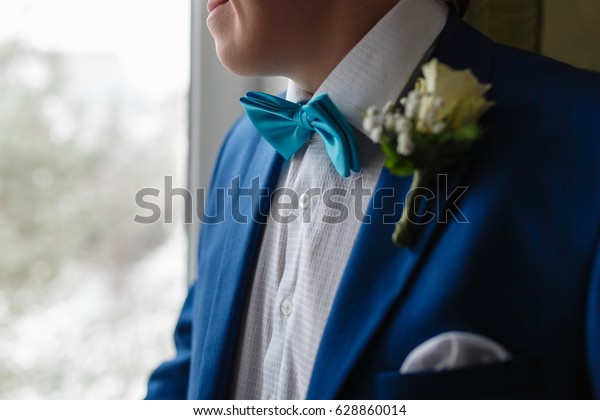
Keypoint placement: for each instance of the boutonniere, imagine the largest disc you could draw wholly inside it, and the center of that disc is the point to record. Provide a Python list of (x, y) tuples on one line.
[(435, 126)]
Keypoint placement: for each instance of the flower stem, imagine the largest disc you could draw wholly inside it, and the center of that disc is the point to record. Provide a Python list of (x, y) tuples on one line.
[(404, 233)]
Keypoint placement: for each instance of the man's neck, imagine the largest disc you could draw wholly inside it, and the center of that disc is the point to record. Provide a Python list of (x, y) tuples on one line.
[(343, 27)]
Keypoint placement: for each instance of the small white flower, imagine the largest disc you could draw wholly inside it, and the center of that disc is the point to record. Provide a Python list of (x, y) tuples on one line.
[(389, 121), (403, 125), (369, 123), (415, 95), (388, 107), (372, 111), (376, 134), (439, 127), (412, 109), (405, 146), (412, 103)]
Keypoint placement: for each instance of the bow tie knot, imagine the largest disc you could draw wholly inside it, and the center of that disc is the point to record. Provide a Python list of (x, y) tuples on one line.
[(287, 126), (301, 118)]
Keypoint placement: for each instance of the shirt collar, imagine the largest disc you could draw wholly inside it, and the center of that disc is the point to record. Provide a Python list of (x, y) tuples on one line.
[(378, 68)]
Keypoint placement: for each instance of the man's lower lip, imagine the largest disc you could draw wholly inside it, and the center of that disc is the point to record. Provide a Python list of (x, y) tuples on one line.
[(212, 5)]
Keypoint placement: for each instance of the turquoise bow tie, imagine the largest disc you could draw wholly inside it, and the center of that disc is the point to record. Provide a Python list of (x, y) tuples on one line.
[(287, 126)]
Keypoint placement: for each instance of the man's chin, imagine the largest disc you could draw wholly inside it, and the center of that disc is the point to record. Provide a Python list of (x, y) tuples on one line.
[(220, 21)]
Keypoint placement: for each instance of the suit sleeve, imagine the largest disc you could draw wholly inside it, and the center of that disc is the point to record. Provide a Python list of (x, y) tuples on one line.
[(170, 380), (593, 326)]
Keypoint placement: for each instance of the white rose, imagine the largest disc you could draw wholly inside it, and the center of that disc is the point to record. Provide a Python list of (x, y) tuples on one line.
[(455, 96)]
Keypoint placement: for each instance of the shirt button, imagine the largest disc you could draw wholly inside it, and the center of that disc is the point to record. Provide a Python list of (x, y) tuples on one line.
[(287, 307), (304, 200)]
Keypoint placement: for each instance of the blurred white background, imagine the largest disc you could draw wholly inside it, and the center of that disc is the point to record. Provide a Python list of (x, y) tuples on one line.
[(93, 107)]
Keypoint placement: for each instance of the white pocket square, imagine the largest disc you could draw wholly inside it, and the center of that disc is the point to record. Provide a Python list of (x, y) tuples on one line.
[(453, 350)]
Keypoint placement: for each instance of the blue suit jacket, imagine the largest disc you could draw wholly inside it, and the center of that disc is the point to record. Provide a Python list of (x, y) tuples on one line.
[(524, 272)]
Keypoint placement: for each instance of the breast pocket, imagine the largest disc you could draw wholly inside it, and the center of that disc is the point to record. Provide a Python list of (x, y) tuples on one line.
[(514, 379)]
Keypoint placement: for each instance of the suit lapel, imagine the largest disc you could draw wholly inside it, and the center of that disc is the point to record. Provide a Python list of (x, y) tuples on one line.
[(240, 246), (378, 272)]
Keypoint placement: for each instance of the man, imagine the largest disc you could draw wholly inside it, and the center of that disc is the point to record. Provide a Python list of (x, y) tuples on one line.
[(323, 304)]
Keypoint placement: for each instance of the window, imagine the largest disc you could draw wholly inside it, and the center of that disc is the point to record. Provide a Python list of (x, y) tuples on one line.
[(93, 108)]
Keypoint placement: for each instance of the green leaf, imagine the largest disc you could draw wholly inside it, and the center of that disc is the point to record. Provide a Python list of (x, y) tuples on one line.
[(397, 164), (469, 132)]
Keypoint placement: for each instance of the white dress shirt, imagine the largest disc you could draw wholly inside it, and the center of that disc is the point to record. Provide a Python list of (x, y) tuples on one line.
[(300, 263)]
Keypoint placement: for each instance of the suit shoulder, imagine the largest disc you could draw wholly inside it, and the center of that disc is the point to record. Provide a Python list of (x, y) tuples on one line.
[(553, 96), (549, 112), (524, 68)]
